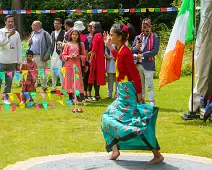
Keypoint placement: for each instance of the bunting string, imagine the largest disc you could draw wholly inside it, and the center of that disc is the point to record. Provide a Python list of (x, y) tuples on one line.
[(92, 11), (33, 95)]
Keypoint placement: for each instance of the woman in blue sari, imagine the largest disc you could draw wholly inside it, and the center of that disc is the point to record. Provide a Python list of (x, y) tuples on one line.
[(128, 123)]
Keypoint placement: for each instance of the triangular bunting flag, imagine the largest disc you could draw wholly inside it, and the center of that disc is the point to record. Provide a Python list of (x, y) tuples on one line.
[(56, 70), (52, 104), (61, 102), (14, 107), (25, 74), (45, 105), (18, 76), (69, 102), (38, 107), (27, 95), (10, 74), (2, 76), (19, 96), (59, 93), (65, 92), (77, 77), (7, 108), (77, 93), (49, 95), (11, 96), (43, 95), (63, 70), (33, 73), (4, 96), (22, 105), (76, 69), (33, 94), (41, 72), (47, 70), (30, 104)]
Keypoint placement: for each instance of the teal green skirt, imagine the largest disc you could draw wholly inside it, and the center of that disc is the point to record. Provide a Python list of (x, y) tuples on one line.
[(128, 123)]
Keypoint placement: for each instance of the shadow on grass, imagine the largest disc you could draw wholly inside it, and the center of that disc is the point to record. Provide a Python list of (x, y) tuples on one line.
[(194, 123), (168, 110), (129, 164)]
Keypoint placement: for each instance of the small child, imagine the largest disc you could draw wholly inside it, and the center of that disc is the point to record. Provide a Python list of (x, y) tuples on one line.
[(28, 85), (111, 72)]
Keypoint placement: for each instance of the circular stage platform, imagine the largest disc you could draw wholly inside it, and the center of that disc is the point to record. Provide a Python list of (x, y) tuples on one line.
[(95, 161)]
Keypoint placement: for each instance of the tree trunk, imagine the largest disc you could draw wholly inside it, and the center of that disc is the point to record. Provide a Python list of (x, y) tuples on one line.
[(18, 20)]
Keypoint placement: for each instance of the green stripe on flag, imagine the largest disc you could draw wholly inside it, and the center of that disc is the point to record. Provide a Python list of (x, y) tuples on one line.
[(188, 5)]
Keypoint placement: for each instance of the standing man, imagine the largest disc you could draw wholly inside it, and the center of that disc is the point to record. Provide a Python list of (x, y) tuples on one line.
[(146, 46), (10, 53), (69, 25), (57, 35), (41, 46)]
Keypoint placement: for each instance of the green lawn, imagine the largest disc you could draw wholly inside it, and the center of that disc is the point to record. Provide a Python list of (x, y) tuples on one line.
[(30, 133)]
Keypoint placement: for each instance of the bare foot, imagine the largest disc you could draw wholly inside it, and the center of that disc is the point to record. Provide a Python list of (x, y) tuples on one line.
[(115, 155), (156, 160)]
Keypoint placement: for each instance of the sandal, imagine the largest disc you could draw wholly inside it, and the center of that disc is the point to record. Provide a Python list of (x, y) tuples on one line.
[(96, 99), (77, 110), (84, 104)]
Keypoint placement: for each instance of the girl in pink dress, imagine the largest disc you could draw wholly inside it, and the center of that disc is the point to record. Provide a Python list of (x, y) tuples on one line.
[(28, 85), (74, 53)]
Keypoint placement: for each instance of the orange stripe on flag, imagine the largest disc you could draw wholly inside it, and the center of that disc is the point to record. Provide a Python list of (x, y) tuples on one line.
[(171, 66)]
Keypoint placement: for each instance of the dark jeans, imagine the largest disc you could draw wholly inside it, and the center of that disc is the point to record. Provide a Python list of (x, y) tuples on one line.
[(8, 80)]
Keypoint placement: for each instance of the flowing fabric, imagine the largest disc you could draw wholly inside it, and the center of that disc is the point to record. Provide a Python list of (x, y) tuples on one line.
[(128, 123)]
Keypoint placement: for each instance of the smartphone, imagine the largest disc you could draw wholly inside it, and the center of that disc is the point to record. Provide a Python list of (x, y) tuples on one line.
[(139, 40), (14, 27)]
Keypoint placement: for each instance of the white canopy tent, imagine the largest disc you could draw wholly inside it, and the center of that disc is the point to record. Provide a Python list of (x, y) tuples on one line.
[(203, 55)]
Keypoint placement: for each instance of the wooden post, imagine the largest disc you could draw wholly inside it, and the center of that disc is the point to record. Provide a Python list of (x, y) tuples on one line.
[(18, 20)]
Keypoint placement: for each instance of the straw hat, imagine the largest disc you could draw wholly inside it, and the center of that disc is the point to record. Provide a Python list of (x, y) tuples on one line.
[(78, 25)]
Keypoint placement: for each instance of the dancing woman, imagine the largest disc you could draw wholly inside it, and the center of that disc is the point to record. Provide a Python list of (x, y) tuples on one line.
[(128, 123)]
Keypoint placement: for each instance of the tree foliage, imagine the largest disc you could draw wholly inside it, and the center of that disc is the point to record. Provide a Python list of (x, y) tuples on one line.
[(106, 19)]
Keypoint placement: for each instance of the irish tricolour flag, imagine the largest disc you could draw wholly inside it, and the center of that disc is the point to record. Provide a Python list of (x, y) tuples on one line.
[(182, 32)]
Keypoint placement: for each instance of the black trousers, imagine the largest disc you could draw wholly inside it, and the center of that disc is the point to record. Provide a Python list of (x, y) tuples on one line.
[(85, 78), (96, 88)]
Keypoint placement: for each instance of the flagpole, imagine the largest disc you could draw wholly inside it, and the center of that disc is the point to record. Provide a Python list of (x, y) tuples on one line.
[(75, 96), (192, 81), (192, 114)]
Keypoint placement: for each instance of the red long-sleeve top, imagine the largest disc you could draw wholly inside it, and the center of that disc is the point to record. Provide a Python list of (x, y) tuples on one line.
[(126, 67)]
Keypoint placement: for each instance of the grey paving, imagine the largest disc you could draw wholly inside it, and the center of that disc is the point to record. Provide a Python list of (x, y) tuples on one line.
[(131, 162)]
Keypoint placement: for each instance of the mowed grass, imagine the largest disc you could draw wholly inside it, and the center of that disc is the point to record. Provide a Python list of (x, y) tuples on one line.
[(30, 133)]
